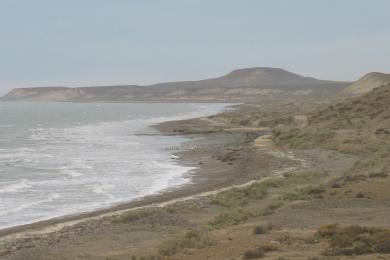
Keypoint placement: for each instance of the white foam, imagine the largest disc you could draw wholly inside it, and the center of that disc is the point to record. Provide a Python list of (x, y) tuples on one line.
[(15, 187), (83, 167), (50, 198), (102, 189), (73, 174)]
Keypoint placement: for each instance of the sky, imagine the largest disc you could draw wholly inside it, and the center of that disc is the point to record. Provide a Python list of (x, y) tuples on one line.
[(102, 42)]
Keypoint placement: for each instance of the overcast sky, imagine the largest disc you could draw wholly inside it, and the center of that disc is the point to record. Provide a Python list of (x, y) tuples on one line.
[(100, 42)]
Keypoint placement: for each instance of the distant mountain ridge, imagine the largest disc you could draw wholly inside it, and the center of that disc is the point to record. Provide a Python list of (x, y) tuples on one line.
[(239, 84), (368, 82)]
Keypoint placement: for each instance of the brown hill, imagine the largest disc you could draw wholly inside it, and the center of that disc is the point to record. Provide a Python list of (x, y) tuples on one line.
[(367, 83), (249, 77), (365, 117), (239, 85), (358, 126), (370, 111)]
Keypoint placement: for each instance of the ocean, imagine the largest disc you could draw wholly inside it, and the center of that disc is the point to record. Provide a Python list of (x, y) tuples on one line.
[(59, 159)]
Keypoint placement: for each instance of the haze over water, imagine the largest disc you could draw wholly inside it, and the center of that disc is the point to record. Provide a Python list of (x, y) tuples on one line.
[(65, 158)]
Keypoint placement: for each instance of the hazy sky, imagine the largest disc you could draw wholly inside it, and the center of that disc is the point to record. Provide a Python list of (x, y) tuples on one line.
[(98, 42)]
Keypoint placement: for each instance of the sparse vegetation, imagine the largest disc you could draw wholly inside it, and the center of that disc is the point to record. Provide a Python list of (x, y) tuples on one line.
[(354, 240), (263, 229), (296, 138), (241, 196), (303, 193), (231, 217), (270, 208), (134, 215), (192, 239), (260, 230), (269, 246), (254, 253), (260, 250)]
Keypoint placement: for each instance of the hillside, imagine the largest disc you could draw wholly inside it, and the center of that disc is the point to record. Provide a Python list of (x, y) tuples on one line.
[(239, 85), (368, 112), (359, 126), (367, 83)]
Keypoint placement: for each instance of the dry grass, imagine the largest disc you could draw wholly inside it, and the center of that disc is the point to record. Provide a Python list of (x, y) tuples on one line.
[(241, 196), (133, 215), (269, 246), (354, 240), (303, 193), (193, 239), (231, 217)]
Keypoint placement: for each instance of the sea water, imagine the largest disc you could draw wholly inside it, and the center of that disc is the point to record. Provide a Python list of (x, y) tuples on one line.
[(58, 159)]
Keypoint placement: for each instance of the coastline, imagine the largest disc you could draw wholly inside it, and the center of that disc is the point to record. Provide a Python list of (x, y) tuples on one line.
[(196, 186), (224, 159), (203, 110)]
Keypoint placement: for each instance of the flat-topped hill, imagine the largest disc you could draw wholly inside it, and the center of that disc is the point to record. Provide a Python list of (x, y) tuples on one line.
[(239, 85)]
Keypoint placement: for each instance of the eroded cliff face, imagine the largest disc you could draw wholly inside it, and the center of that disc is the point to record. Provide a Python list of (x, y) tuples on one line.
[(239, 85)]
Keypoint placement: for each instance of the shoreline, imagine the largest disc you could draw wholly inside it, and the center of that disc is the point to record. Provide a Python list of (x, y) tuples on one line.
[(209, 179), (163, 196), (224, 160), (196, 185), (150, 198)]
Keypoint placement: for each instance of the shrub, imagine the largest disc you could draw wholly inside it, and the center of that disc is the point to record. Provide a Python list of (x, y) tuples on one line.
[(260, 230), (327, 230), (303, 193), (263, 229), (231, 217), (244, 121), (297, 138), (354, 240), (254, 253), (305, 176), (378, 175), (241, 196), (269, 246), (270, 208), (192, 239)]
